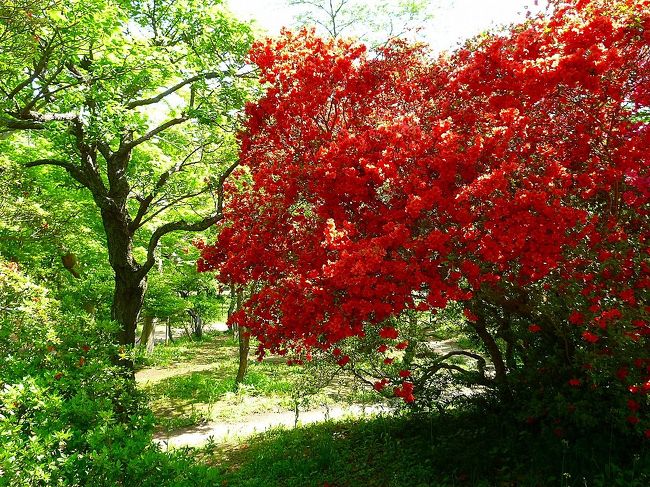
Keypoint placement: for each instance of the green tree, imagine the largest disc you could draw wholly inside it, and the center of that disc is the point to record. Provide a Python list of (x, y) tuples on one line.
[(138, 102), (373, 22)]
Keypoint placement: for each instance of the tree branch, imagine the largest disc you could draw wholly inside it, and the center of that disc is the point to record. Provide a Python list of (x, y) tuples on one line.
[(127, 146), (38, 69), (74, 171), (440, 364), (222, 180), (162, 180), (10, 125), (166, 206), (173, 89), (180, 225)]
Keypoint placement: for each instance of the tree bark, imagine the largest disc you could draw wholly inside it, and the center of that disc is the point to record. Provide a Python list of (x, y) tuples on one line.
[(130, 282), (197, 323), (244, 345), (148, 333), (127, 303), (244, 348), (493, 350)]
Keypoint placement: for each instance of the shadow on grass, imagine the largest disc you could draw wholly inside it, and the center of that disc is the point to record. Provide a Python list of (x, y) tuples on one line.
[(458, 449)]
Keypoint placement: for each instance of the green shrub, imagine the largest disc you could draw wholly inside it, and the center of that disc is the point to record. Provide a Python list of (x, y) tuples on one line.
[(68, 416)]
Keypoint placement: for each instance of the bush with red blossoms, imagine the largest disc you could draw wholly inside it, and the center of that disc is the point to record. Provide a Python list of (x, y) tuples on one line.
[(512, 177)]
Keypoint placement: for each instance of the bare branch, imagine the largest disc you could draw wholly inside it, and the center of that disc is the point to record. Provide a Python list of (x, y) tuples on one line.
[(145, 202), (182, 225), (166, 206), (440, 364), (10, 125)]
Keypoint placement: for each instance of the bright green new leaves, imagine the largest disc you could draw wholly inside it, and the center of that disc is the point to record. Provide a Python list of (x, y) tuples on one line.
[(138, 102)]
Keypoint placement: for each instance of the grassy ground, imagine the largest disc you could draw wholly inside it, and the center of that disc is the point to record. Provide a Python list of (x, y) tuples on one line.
[(191, 382), (459, 449), (477, 445)]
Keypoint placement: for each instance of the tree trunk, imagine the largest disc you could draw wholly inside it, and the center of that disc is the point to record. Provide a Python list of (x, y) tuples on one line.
[(148, 333), (244, 348), (169, 331), (130, 283), (244, 345), (127, 303), (493, 350), (197, 323)]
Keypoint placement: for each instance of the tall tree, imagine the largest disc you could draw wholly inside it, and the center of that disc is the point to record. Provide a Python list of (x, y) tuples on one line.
[(373, 22), (138, 101), (511, 176)]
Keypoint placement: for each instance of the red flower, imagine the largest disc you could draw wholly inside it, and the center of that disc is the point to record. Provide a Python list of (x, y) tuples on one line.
[(404, 373), (632, 405), (382, 348), (389, 361), (470, 316), (575, 382), (402, 345), (85, 348), (388, 332), (576, 318), (622, 373), (632, 419), (590, 337), (534, 328), (58, 375), (343, 360)]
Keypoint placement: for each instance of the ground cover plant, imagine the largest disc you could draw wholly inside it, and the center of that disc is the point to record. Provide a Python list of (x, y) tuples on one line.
[(462, 447), (68, 415)]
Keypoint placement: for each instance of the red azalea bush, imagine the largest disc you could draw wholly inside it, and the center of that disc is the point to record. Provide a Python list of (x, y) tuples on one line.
[(511, 176)]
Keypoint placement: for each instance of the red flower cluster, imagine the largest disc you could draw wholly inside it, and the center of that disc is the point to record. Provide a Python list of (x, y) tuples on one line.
[(405, 391)]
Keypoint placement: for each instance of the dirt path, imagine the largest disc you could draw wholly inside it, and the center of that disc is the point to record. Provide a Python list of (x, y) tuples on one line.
[(257, 423)]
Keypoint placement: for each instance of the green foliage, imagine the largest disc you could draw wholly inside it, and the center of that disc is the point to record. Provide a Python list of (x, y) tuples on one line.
[(125, 113), (68, 416), (194, 382)]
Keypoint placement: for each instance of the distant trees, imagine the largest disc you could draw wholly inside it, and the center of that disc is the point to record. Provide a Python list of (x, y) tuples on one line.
[(373, 23)]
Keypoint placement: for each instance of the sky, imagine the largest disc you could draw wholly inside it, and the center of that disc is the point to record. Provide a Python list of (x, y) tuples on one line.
[(453, 20)]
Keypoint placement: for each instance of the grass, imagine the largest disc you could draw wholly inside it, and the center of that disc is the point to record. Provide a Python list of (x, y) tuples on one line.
[(461, 448), (478, 444), (191, 382)]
